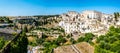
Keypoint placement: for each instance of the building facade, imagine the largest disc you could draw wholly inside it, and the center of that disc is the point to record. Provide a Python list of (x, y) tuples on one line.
[(87, 21)]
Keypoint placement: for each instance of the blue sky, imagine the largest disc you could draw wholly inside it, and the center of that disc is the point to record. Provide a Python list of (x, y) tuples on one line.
[(45, 7)]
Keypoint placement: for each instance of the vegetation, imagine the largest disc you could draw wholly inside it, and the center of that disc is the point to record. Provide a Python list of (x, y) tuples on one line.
[(116, 15), (2, 42), (46, 19), (88, 37), (109, 43), (26, 21), (5, 19), (72, 41), (20, 44), (49, 45), (61, 40)]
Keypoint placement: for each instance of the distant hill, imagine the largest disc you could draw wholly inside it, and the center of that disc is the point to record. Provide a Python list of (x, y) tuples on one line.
[(46, 16)]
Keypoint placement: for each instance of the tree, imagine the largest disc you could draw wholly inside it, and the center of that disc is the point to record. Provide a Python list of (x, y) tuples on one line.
[(19, 45), (112, 39), (46, 44), (44, 36), (25, 29), (2, 42), (112, 29), (116, 15), (115, 46), (100, 38), (109, 43), (100, 50), (68, 36), (60, 39), (72, 40), (88, 37), (40, 40), (81, 39)]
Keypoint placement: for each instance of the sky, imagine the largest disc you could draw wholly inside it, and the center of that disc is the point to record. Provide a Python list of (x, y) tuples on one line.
[(52, 7)]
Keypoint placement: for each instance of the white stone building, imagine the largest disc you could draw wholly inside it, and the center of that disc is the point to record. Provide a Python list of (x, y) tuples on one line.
[(87, 21)]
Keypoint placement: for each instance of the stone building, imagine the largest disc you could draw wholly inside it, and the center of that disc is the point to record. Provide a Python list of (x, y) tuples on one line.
[(87, 21)]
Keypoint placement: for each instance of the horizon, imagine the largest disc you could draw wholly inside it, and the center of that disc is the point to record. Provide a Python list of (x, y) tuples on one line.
[(57, 14), (53, 7)]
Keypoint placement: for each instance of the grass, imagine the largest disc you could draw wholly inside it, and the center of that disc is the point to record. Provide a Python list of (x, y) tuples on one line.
[(31, 39)]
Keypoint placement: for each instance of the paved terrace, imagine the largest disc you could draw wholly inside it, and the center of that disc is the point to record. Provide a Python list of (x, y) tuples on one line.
[(82, 47)]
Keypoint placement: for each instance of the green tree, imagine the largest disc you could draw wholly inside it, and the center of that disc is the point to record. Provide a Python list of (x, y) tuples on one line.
[(40, 40), (25, 29), (109, 43), (68, 36), (61, 39), (112, 29), (2, 42), (81, 39), (72, 41), (19, 45), (88, 37), (116, 15)]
